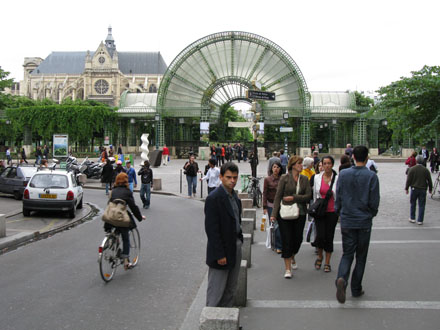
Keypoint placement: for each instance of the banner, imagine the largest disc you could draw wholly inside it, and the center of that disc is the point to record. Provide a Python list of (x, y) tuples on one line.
[(60, 145)]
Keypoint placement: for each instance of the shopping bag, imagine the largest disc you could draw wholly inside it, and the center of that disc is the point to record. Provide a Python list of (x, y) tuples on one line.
[(269, 230), (310, 235)]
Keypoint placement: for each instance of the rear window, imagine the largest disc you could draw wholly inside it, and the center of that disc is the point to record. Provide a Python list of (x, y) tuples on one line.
[(49, 181), (26, 172)]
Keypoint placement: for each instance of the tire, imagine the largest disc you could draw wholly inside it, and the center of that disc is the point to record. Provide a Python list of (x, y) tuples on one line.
[(26, 212), (108, 260), (17, 195), (72, 212), (257, 197), (135, 246), (434, 188), (80, 205)]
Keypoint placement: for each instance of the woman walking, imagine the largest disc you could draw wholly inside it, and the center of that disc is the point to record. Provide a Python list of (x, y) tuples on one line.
[(293, 188), (434, 158), (325, 226), (191, 169), (411, 161), (269, 192)]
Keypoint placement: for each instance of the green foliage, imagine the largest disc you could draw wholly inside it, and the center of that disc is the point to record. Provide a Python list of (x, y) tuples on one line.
[(362, 100), (413, 104), (221, 131), (4, 82)]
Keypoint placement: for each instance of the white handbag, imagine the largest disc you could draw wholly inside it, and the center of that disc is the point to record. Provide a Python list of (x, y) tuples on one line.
[(290, 212)]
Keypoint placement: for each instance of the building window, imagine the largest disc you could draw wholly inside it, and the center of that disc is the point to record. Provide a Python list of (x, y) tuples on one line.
[(152, 89), (101, 59), (101, 86)]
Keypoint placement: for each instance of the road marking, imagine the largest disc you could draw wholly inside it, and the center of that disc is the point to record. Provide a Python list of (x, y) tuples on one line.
[(358, 304), (381, 242), (48, 226)]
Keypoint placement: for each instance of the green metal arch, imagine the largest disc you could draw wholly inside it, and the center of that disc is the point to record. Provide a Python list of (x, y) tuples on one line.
[(219, 61)]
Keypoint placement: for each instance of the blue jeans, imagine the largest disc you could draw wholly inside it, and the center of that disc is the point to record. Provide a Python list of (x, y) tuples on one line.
[(420, 195), (131, 186), (108, 185), (38, 160), (192, 184), (278, 242), (354, 241), (145, 194)]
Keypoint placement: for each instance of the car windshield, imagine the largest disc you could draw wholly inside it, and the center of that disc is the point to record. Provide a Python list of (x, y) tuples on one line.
[(26, 172), (49, 181)]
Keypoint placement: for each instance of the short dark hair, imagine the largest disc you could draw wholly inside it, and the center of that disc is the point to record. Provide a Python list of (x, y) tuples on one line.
[(360, 153), (328, 157), (228, 166), (146, 163), (345, 159), (277, 163), (211, 161), (281, 151)]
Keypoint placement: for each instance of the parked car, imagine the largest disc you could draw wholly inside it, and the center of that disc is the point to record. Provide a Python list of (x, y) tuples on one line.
[(14, 179), (53, 190)]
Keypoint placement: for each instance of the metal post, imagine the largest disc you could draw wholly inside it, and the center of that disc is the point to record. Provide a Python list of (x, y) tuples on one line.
[(201, 186), (181, 181)]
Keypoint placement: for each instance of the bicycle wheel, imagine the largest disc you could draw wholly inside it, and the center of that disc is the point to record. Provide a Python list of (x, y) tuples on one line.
[(259, 200), (135, 246), (108, 258), (434, 189)]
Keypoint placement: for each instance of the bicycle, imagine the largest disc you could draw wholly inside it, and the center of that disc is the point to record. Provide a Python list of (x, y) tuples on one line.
[(254, 191), (436, 186), (109, 257)]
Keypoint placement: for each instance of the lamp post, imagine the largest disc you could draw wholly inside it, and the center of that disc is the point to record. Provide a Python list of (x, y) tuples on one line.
[(157, 119), (286, 118)]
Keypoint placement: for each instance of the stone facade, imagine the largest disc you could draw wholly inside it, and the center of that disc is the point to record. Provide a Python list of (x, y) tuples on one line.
[(102, 75)]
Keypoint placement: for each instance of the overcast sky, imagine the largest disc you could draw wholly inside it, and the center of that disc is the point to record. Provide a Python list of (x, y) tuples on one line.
[(338, 45)]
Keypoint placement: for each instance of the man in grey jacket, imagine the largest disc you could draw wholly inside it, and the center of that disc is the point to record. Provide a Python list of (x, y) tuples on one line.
[(357, 203)]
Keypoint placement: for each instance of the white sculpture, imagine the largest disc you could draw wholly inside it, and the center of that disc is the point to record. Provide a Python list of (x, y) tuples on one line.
[(144, 146)]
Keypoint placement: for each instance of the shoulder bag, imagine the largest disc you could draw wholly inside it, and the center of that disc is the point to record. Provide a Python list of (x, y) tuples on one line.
[(116, 213), (290, 212), (318, 208)]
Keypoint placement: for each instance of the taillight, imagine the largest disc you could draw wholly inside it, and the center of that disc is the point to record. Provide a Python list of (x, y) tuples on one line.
[(69, 195), (26, 194), (100, 249)]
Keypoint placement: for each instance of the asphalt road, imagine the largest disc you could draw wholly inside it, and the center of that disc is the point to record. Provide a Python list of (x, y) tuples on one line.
[(55, 283)]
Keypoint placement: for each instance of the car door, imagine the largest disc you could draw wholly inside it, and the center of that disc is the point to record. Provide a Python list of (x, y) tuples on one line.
[(77, 189), (3, 180), (14, 181)]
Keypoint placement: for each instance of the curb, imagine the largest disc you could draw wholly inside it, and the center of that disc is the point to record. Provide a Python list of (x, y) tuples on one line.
[(36, 236)]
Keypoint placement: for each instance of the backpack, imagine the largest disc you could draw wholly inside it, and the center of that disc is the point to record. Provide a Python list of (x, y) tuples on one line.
[(116, 213)]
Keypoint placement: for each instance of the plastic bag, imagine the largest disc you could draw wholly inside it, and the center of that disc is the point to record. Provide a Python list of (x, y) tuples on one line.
[(268, 235)]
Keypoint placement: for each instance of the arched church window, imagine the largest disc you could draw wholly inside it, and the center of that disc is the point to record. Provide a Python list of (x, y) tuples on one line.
[(101, 86)]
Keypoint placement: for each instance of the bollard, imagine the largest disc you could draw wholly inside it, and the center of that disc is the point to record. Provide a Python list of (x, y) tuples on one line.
[(250, 213), (219, 318), (246, 249), (243, 195), (2, 225), (241, 296), (157, 184), (247, 226), (246, 203)]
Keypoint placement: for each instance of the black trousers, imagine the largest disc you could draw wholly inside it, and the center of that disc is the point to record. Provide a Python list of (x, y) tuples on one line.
[(325, 231), (291, 235)]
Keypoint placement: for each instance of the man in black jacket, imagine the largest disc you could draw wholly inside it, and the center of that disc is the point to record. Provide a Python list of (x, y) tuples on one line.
[(225, 238), (146, 174)]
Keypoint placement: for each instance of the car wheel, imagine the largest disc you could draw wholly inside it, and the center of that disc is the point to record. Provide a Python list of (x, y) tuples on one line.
[(26, 212), (72, 212), (80, 205), (17, 195)]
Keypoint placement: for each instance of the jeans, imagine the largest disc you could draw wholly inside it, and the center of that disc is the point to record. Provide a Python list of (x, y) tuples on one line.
[(192, 184), (38, 160), (420, 195), (131, 186), (145, 194), (211, 189), (108, 186), (354, 241), (278, 241)]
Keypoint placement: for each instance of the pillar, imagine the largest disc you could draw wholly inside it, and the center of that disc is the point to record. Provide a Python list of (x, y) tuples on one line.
[(360, 132), (373, 139), (335, 140), (27, 141), (304, 146)]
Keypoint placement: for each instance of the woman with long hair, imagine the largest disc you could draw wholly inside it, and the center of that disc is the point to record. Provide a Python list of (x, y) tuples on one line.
[(292, 188), (269, 192)]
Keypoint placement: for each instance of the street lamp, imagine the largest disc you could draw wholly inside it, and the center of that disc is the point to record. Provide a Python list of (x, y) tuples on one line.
[(286, 118)]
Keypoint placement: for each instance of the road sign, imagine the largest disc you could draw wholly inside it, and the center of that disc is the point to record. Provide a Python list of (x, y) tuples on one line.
[(286, 129), (259, 95)]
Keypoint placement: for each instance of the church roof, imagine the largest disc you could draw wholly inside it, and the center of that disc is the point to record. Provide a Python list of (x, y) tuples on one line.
[(129, 63)]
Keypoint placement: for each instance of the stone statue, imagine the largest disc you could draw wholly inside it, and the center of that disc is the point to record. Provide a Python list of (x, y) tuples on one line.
[(144, 146)]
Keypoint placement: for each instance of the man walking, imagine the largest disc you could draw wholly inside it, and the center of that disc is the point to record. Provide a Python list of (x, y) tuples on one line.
[(425, 153), (146, 174), (212, 176), (165, 155), (419, 179), (132, 181), (357, 204), (225, 238)]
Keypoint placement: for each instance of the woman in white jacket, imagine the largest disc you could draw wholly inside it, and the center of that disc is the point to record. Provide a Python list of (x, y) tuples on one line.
[(325, 226)]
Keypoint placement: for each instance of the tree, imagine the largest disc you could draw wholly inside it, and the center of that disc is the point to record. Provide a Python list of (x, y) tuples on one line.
[(221, 131), (3, 81), (413, 104)]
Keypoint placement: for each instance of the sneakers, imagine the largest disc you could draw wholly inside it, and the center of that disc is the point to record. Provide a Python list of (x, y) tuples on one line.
[(419, 223), (412, 220), (294, 265), (340, 290), (288, 274)]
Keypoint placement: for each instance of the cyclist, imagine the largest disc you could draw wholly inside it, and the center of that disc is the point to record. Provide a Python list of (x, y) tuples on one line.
[(122, 191)]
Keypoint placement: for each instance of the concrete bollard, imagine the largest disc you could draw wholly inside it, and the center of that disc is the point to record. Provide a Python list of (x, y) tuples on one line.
[(246, 203), (246, 249), (219, 318), (157, 184), (241, 296), (250, 213), (247, 226), (2, 225), (243, 195)]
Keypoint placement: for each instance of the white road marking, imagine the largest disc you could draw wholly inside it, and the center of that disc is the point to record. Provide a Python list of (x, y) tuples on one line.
[(381, 242), (371, 304)]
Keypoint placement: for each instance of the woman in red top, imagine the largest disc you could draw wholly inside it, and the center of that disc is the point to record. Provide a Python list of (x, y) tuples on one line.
[(325, 226), (411, 161)]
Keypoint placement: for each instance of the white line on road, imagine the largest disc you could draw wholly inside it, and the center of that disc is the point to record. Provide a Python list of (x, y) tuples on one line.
[(381, 242), (434, 305)]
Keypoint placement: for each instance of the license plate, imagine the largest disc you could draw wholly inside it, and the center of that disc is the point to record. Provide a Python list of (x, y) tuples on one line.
[(49, 196)]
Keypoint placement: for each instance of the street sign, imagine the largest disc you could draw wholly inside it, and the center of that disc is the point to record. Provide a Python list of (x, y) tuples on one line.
[(259, 95), (286, 129)]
